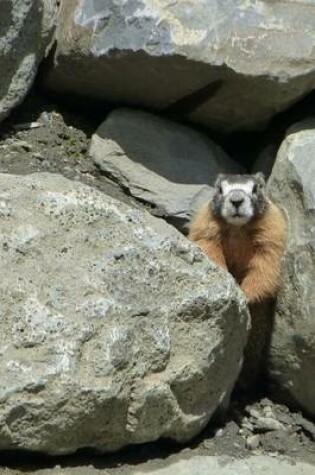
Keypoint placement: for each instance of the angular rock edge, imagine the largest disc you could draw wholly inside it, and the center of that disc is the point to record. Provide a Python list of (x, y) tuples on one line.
[(115, 329)]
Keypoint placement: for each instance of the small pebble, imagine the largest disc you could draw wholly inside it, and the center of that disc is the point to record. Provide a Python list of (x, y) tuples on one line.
[(208, 444), (39, 156), (252, 442), (254, 413), (266, 424), (27, 125), (268, 412), (248, 425), (219, 433)]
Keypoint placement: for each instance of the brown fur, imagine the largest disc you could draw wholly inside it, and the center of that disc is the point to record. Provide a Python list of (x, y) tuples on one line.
[(251, 253)]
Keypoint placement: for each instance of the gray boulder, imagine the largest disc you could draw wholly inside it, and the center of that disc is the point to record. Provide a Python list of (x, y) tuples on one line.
[(26, 30), (292, 356), (114, 329), (162, 163), (228, 64)]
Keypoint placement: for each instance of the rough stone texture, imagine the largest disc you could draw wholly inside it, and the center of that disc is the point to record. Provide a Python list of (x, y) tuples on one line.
[(26, 29), (160, 162), (292, 358), (110, 321), (198, 465), (259, 465), (235, 63)]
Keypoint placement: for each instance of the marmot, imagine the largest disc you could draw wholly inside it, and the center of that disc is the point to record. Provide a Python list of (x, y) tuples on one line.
[(242, 231)]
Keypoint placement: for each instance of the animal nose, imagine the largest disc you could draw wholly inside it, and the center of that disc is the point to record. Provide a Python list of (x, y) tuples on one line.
[(237, 201)]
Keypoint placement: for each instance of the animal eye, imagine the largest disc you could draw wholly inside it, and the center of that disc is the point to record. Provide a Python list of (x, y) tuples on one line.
[(255, 188), (220, 190)]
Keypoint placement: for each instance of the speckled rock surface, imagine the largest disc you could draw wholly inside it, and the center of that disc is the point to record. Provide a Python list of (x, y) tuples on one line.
[(259, 465), (196, 465), (292, 185), (243, 61), (110, 321), (160, 162), (26, 29)]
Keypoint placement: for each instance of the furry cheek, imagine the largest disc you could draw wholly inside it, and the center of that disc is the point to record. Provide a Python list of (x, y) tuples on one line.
[(226, 210), (247, 209)]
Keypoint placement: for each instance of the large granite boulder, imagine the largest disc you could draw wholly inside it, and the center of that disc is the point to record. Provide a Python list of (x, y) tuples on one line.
[(227, 64), (169, 166), (114, 329), (292, 354), (26, 29)]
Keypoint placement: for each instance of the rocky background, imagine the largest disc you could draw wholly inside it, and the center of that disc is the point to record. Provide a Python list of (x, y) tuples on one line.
[(115, 330)]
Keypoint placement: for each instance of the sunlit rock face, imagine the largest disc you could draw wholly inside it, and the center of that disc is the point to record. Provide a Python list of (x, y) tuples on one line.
[(226, 64), (26, 29), (170, 167), (292, 186), (114, 328)]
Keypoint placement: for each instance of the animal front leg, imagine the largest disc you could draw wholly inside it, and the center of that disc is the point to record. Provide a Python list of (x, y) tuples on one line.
[(213, 251), (261, 280)]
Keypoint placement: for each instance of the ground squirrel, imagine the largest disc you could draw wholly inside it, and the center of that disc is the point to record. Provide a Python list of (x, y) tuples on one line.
[(242, 231)]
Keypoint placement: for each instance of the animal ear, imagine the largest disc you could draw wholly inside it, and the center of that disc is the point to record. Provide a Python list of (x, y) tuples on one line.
[(260, 177), (218, 180)]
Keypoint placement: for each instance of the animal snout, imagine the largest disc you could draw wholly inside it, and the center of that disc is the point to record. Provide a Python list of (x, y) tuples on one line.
[(237, 199), (237, 202)]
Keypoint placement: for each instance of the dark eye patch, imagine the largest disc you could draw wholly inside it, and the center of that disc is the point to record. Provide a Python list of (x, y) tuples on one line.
[(255, 188)]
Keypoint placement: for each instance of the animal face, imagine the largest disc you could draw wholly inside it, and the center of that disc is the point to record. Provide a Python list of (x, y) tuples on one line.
[(239, 198)]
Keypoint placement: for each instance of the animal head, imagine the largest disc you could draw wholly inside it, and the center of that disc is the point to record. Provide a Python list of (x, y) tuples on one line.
[(239, 198)]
